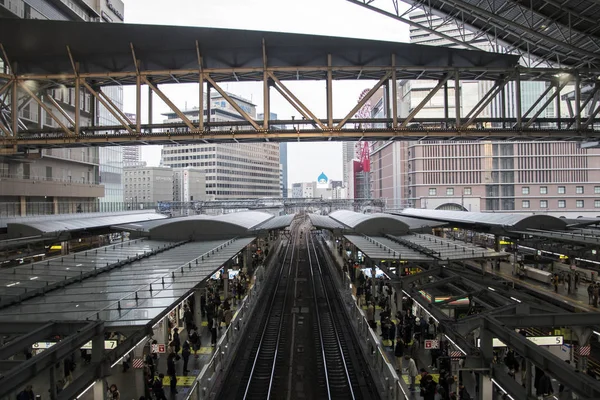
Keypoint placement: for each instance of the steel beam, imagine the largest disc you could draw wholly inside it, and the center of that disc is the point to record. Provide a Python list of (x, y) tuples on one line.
[(59, 108), (329, 92), (394, 83), (17, 377), (489, 96), (46, 108), (266, 99), (549, 100), (232, 103), (426, 100), (362, 102), (438, 283), (15, 106), (581, 384), (7, 365), (169, 103), (295, 102), (518, 104), (106, 104), (405, 281), (537, 101), (577, 101), (549, 320), (591, 117), (457, 98), (23, 341), (118, 109)]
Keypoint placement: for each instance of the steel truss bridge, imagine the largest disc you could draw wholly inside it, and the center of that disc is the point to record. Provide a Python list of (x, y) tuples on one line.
[(30, 80)]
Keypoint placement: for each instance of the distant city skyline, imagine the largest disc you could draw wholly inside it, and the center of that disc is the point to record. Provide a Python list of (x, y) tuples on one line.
[(305, 160)]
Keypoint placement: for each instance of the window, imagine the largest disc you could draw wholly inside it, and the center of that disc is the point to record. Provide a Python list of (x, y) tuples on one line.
[(525, 204), (525, 190), (543, 189), (468, 191), (543, 203), (432, 191), (579, 204), (449, 191), (597, 189), (579, 189), (597, 203), (562, 204), (562, 190)]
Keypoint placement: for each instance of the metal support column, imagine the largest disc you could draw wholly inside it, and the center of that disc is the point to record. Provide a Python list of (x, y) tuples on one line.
[(518, 111), (53, 376), (329, 93), (138, 102), (503, 107), (77, 121), (446, 111), (394, 84), (198, 293), (208, 104), (486, 387), (529, 371), (577, 102), (457, 98), (266, 99), (150, 108), (225, 281), (15, 106)]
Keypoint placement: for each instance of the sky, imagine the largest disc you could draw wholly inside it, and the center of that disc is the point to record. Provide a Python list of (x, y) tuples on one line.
[(322, 17)]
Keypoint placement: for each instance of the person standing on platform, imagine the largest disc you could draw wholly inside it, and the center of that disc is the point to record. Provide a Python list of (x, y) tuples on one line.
[(185, 354), (176, 341), (412, 371), (399, 353), (172, 372)]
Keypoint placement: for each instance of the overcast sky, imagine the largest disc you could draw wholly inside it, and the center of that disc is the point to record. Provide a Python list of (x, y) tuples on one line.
[(322, 17)]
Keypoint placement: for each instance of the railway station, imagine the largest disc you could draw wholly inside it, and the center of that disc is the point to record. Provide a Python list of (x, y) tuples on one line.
[(297, 298)]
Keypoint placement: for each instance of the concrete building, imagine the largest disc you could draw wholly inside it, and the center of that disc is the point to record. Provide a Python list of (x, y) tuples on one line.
[(63, 180), (148, 184), (557, 178), (233, 171), (348, 154), (132, 154), (321, 188), (189, 184), (283, 161)]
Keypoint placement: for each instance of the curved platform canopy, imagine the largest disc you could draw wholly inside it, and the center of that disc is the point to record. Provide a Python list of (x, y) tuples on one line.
[(204, 227), (490, 222), (59, 225), (40, 47)]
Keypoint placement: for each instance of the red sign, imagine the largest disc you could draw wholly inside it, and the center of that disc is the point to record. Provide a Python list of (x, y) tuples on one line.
[(161, 348), (432, 344)]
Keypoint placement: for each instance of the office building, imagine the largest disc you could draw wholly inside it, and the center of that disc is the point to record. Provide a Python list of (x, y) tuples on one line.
[(189, 184), (348, 154), (322, 188), (233, 171), (63, 180), (557, 178), (283, 161), (132, 154), (148, 184)]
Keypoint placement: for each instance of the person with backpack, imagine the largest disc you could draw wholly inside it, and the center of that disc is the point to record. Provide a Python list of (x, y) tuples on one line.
[(195, 341)]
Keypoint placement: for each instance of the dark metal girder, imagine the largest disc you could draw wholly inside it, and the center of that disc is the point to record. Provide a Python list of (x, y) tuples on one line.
[(21, 342), (58, 327), (405, 281), (441, 282), (582, 384), (549, 320), (24, 372)]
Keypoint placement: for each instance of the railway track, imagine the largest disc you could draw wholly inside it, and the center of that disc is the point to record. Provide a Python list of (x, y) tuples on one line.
[(302, 345), (338, 375)]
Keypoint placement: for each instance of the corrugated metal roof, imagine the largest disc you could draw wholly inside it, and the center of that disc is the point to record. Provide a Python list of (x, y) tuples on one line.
[(448, 249), (281, 221), (325, 222), (76, 222), (380, 248), (508, 220), (111, 296), (371, 224)]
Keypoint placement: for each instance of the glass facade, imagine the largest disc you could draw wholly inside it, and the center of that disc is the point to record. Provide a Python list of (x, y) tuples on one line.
[(111, 158)]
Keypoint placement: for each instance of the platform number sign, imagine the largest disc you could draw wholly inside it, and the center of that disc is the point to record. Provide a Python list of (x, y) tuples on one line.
[(432, 344)]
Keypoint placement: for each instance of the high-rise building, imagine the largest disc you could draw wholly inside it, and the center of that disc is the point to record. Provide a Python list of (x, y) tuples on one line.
[(63, 180), (283, 161), (558, 178), (148, 184), (233, 171), (348, 154), (132, 154)]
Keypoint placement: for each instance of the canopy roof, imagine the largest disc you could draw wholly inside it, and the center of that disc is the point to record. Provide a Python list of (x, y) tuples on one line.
[(55, 224), (38, 46), (111, 295), (508, 221)]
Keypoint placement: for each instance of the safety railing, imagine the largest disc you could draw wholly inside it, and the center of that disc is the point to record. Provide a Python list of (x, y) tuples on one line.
[(227, 345), (381, 368)]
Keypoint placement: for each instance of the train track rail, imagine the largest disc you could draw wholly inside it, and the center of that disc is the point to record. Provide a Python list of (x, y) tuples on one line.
[(261, 377), (336, 370)]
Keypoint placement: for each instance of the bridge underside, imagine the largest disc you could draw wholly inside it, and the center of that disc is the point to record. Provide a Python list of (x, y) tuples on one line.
[(34, 77)]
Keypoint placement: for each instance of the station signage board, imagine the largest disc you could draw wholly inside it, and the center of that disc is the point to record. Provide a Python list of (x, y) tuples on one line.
[(539, 340), (108, 345)]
